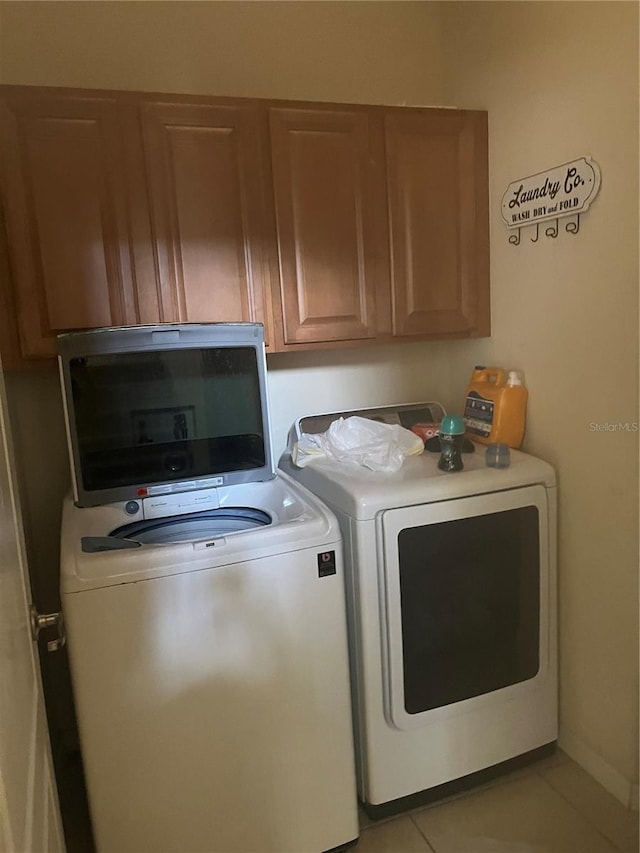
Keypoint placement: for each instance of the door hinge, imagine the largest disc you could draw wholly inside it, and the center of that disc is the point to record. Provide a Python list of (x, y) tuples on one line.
[(40, 621)]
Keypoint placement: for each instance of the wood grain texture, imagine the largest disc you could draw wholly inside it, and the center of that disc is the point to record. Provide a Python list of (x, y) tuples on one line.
[(206, 185), (65, 195), (334, 225), (438, 219), (327, 221)]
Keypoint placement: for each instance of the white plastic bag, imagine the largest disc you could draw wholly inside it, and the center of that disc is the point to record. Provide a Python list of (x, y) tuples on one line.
[(374, 445)]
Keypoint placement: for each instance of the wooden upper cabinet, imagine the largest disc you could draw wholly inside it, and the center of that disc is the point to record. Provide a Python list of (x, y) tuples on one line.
[(206, 174), (65, 198), (438, 219), (328, 184), (333, 225)]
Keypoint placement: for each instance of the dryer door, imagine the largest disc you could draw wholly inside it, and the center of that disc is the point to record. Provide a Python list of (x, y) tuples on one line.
[(466, 603)]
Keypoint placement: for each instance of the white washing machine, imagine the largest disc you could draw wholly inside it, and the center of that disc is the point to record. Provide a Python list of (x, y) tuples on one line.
[(451, 584), (204, 601), (210, 671)]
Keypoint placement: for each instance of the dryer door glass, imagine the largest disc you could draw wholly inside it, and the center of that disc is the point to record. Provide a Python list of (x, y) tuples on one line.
[(470, 600), (463, 600)]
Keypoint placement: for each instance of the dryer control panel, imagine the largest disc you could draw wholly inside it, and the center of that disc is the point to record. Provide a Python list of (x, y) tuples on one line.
[(405, 415)]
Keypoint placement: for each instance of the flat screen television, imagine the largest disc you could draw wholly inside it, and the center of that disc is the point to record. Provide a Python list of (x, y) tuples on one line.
[(158, 409)]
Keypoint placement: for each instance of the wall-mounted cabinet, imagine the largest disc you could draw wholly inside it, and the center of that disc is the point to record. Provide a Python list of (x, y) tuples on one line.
[(328, 185), (206, 175), (333, 225), (65, 190), (438, 221)]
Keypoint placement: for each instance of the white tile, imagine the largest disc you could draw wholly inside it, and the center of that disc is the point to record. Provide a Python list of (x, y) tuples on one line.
[(557, 758), (525, 815), (396, 836), (599, 807)]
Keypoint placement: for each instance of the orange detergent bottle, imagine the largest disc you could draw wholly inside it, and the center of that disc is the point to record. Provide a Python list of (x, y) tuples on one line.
[(495, 406)]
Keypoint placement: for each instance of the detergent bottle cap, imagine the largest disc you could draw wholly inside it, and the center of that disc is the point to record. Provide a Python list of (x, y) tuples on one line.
[(514, 378)]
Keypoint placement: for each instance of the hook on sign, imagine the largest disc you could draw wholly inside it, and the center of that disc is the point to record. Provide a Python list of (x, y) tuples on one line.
[(552, 230), (535, 239), (514, 239), (573, 227)]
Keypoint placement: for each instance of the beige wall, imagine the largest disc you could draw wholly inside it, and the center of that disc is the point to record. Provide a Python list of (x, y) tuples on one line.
[(386, 52), (559, 81)]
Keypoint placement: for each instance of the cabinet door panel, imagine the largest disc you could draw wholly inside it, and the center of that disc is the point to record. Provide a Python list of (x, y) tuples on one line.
[(66, 210), (438, 215), (329, 221), (206, 179)]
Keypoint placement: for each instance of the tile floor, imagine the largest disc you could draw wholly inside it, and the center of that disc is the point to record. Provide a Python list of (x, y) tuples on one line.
[(552, 806)]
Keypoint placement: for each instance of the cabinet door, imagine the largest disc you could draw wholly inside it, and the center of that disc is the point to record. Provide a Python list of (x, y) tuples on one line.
[(329, 198), (65, 197), (205, 165), (438, 215)]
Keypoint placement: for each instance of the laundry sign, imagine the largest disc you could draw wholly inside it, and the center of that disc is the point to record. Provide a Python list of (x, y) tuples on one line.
[(562, 191)]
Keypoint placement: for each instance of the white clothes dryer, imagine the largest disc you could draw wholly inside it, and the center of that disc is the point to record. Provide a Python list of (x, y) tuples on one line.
[(451, 586), (209, 663)]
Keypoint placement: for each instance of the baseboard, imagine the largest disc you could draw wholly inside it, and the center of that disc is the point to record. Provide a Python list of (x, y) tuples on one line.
[(610, 778)]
